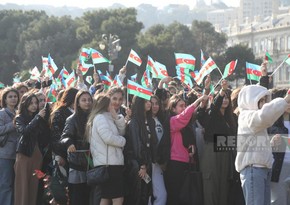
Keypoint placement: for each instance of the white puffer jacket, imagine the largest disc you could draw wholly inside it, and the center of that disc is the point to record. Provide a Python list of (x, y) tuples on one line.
[(107, 132), (253, 141)]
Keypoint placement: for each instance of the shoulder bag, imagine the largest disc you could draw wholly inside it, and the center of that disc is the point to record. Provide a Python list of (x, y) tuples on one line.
[(99, 174)]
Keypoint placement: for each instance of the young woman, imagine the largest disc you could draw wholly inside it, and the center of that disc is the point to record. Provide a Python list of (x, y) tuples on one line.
[(179, 118), (159, 192), (35, 136), (140, 152), (60, 112), (217, 167), (74, 142), (105, 130), (10, 99)]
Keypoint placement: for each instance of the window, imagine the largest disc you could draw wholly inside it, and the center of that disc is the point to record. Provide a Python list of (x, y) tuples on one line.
[(288, 43), (282, 44)]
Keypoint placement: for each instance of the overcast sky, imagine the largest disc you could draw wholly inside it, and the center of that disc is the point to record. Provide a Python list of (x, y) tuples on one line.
[(106, 3)]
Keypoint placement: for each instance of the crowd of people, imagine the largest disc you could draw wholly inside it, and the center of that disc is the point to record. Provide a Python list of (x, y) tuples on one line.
[(147, 145)]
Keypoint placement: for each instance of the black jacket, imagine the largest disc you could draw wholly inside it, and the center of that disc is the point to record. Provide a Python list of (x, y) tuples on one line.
[(57, 126), (137, 153), (72, 135), (213, 121), (32, 130)]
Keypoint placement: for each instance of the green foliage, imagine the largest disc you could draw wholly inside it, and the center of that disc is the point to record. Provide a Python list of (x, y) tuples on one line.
[(26, 36)]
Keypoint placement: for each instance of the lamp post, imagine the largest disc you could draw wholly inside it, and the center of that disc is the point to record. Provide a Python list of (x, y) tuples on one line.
[(112, 43)]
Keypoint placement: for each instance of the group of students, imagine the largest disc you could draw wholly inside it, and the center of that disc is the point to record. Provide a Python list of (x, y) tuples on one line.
[(148, 144)]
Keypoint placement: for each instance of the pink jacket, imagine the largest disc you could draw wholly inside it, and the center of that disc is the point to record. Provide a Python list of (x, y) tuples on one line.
[(177, 122)]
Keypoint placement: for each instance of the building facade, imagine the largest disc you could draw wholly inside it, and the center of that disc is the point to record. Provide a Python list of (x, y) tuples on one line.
[(271, 34)]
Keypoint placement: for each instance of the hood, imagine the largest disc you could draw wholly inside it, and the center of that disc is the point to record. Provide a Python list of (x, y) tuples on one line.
[(250, 95)]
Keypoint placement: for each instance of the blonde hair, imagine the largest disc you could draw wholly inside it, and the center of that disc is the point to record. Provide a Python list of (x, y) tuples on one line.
[(100, 105)]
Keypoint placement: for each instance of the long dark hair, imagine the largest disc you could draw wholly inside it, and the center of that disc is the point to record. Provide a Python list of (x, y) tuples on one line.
[(138, 110), (81, 116), (66, 100), (24, 104), (229, 115), (160, 113), (4, 94)]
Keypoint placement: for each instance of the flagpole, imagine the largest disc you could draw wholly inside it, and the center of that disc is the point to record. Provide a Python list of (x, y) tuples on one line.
[(220, 71), (127, 62), (127, 101), (216, 86), (277, 68)]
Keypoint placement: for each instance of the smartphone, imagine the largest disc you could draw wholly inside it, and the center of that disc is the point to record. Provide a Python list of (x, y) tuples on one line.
[(147, 178)]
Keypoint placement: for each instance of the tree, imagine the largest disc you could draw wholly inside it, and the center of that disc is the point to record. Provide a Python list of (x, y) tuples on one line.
[(161, 42), (243, 53), (210, 41), (13, 24)]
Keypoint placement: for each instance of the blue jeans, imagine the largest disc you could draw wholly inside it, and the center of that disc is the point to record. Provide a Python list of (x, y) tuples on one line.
[(6, 181), (256, 185)]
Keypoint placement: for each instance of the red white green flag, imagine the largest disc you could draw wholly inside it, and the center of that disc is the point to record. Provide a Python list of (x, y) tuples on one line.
[(134, 58), (185, 60), (287, 60), (138, 90), (151, 67), (34, 74), (253, 71), (230, 68), (97, 57), (268, 57), (206, 69), (89, 80)]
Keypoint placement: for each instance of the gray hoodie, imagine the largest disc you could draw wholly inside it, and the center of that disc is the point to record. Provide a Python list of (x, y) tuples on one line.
[(253, 141)]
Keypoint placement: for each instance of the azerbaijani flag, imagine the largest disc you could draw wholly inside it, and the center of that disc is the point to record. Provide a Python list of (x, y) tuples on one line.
[(229, 69), (184, 76), (206, 69), (52, 94), (268, 57), (51, 65), (34, 73), (134, 77), (138, 90), (134, 58), (253, 71), (146, 80), (107, 81), (202, 58), (97, 57), (2, 85), (287, 60), (185, 60), (85, 54), (151, 67), (117, 81), (89, 79), (71, 79), (161, 70)]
